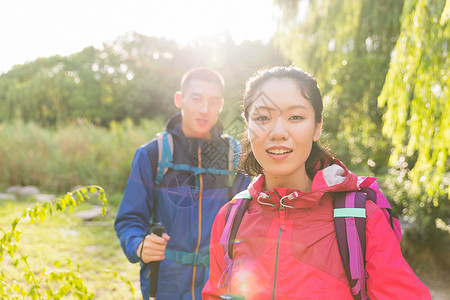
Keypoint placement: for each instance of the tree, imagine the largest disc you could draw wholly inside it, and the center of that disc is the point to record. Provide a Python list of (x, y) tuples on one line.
[(133, 77), (346, 44), (416, 97)]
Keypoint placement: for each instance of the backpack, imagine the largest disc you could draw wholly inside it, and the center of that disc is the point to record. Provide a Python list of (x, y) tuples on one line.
[(350, 223), (165, 161)]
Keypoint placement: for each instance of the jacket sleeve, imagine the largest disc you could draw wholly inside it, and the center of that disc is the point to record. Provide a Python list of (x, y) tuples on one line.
[(217, 261), (389, 275), (134, 212)]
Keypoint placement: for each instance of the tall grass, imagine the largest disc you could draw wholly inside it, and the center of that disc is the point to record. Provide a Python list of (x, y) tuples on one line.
[(56, 160)]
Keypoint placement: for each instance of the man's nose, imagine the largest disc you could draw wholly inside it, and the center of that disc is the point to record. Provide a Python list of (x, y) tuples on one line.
[(204, 108)]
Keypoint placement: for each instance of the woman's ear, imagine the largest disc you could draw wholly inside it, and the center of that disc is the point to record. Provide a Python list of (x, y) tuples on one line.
[(318, 131)]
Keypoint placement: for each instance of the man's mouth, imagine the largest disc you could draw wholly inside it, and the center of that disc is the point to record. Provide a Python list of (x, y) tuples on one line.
[(202, 121)]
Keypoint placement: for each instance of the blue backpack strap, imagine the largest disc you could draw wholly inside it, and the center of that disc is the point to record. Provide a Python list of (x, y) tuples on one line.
[(233, 158), (350, 224), (165, 154)]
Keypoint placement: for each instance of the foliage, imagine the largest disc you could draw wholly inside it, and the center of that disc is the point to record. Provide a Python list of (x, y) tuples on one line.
[(417, 118), (77, 154), (44, 284), (133, 77), (416, 95), (346, 44), (427, 243)]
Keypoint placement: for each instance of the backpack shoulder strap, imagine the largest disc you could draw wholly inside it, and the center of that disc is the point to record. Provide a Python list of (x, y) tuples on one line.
[(233, 153), (233, 157), (165, 154), (350, 224), (369, 186), (236, 210)]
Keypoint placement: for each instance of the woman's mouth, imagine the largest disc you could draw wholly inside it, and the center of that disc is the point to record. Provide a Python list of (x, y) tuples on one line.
[(278, 151)]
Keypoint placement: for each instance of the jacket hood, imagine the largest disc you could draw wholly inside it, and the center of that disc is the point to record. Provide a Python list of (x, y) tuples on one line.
[(334, 178), (173, 126)]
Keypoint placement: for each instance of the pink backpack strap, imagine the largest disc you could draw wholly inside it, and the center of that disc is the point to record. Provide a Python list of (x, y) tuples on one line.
[(229, 222), (370, 187), (350, 223), (235, 214)]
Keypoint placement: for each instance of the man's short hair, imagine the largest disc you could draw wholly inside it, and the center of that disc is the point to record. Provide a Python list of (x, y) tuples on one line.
[(204, 74)]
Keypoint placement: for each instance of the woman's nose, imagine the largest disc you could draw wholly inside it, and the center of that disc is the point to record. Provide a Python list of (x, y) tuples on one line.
[(278, 131)]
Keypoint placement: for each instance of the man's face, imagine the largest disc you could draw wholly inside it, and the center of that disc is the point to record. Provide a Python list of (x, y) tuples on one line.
[(200, 105)]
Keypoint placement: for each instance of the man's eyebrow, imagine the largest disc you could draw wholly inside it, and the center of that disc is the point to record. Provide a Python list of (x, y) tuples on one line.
[(197, 94)]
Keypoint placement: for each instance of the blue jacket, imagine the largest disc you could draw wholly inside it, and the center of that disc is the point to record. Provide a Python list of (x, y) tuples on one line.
[(182, 194)]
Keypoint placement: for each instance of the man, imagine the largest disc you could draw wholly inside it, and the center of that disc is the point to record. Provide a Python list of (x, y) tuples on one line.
[(183, 189)]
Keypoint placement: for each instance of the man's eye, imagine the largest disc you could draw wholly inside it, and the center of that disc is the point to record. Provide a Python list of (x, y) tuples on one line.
[(296, 118)]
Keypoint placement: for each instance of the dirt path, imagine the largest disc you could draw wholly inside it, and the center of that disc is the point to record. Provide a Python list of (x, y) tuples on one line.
[(439, 286)]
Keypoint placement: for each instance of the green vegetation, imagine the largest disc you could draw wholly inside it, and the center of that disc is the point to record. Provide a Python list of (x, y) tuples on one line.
[(57, 160), (49, 255), (417, 119), (133, 77)]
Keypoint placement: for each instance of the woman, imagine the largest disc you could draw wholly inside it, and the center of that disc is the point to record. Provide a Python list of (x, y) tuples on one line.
[(288, 247)]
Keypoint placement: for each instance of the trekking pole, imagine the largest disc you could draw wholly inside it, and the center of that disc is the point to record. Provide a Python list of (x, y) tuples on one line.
[(154, 265)]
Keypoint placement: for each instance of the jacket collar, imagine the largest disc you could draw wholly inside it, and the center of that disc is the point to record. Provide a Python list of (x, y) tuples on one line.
[(334, 178), (173, 126)]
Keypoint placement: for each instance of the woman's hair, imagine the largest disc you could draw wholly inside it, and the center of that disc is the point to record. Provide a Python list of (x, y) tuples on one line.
[(307, 84)]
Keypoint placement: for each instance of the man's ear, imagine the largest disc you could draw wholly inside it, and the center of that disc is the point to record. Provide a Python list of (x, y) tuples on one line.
[(318, 131), (178, 100), (221, 105)]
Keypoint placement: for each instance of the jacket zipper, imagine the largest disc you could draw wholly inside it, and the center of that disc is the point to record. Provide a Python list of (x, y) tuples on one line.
[(276, 265), (200, 196), (282, 227)]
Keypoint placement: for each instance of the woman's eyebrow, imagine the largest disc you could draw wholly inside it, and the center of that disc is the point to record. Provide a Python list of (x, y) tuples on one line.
[(297, 106), (263, 107)]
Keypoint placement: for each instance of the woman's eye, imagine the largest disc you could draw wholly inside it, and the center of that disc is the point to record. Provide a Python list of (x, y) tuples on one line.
[(262, 118)]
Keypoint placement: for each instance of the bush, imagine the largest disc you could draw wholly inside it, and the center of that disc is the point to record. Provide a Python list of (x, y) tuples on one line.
[(45, 284), (57, 160)]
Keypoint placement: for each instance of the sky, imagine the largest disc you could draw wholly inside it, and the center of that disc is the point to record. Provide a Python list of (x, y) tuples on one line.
[(41, 28)]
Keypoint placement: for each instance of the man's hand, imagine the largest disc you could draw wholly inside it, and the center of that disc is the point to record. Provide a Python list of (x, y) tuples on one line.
[(154, 247)]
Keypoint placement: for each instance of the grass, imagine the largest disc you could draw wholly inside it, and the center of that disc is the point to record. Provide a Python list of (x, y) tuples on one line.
[(93, 249), (58, 159)]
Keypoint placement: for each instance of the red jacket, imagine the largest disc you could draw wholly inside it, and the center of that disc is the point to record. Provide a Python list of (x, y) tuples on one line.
[(292, 253)]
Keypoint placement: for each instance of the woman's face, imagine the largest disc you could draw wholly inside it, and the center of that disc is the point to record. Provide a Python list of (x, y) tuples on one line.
[(282, 128)]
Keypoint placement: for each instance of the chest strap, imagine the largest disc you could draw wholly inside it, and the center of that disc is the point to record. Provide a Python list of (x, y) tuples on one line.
[(187, 258)]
